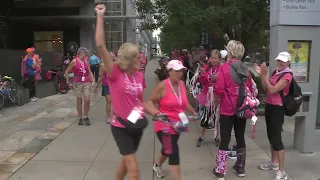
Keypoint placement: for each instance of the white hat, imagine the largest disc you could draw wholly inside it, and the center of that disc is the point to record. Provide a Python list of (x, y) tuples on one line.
[(223, 53), (175, 65), (284, 57)]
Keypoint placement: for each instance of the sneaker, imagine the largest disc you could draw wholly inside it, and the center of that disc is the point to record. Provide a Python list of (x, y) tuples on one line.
[(200, 142), (108, 120), (232, 155), (218, 176), (158, 171), (87, 121), (80, 121), (33, 99), (281, 175), (269, 166)]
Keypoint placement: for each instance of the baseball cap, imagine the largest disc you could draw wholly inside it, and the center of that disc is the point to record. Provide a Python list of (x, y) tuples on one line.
[(284, 57), (223, 53), (175, 65)]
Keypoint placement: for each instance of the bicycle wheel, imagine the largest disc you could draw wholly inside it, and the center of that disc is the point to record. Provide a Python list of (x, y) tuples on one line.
[(1, 101), (61, 85), (16, 93)]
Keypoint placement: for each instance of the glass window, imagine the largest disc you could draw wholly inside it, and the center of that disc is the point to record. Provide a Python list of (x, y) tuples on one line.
[(114, 26), (49, 46), (49, 41), (48, 35), (114, 7), (113, 45), (114, 36)]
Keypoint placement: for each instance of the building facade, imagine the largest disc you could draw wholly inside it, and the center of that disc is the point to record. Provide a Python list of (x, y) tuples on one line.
[(62, 26)]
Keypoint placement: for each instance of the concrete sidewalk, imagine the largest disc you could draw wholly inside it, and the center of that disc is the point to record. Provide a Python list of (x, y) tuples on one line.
[(90, 153)]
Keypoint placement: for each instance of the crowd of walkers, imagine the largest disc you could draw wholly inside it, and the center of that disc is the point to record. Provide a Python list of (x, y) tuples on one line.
[(226, 100)]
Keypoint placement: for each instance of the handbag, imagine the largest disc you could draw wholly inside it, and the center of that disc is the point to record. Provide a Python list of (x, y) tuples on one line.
[(140, 125)]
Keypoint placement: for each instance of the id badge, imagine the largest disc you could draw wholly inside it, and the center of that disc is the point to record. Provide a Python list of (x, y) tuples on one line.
[(254, 120), (134, 115), (83, 78), (183, 118)]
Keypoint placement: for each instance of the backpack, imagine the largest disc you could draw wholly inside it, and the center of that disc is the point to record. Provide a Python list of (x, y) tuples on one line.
[(293, 100), (247, 104)]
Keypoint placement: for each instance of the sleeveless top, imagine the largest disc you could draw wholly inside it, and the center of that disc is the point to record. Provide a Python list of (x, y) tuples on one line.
[(169, 105), (105, 79), (81, 72)]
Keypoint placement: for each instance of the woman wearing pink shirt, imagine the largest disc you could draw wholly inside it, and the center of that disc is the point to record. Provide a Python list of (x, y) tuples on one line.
[(126, 89), (227, 89), (274, 111), (83, 80), (207, 79), (171, 96)]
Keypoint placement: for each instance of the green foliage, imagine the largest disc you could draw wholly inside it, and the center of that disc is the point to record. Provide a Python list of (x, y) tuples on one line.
[(183, 20)]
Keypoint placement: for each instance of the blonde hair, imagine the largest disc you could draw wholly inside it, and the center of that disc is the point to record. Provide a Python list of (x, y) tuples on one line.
[(126, 54), (235, 49), (215, 52)]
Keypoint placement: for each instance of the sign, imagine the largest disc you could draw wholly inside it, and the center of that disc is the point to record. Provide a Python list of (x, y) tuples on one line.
[(72, 46), (204, 38), (300, 59), (294, 12)]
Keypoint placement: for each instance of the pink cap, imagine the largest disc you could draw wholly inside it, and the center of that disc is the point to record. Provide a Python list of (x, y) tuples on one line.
[(175, 65)]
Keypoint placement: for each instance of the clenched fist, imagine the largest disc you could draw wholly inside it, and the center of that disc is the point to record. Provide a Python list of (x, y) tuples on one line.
[(100, 9)]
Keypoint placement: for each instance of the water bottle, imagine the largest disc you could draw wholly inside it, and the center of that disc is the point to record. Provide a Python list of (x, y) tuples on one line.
[(166, 141)]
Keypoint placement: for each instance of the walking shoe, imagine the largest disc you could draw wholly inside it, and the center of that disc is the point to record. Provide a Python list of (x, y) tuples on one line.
[(281, 175), (239, 166), (158, 171), (269, 166), (232, 152), (108, 121), (200, 142), (87, 121), (80, 121), (218, 176)]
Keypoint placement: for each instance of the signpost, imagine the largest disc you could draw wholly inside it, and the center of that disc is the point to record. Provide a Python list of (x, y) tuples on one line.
[(295, 27)]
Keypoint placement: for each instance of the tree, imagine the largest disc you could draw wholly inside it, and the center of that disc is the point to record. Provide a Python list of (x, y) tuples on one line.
[(182, 21)]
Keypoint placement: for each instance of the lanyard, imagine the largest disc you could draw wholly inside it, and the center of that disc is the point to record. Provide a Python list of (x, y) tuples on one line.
[(82, 66), (178, 96), (135, 84)]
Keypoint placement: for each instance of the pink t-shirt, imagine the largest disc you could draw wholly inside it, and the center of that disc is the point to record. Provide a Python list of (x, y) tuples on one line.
[(275, 99), (169, 105), (81, 70), (127, 93)]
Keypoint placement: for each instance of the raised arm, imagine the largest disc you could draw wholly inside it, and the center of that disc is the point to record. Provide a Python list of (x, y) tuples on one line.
[(100, 43)]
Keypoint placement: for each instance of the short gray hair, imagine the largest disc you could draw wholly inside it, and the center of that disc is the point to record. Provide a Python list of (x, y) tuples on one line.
[(235, 49), (82, 49)]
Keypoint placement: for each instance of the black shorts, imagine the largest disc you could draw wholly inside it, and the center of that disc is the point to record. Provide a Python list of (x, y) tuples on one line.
[(128, 143), (174, 158), (105, 90)]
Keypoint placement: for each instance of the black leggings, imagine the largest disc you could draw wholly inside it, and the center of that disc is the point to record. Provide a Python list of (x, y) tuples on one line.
[(95, 71), (226, 124), (274, 121), (174, 158), (31, 86)]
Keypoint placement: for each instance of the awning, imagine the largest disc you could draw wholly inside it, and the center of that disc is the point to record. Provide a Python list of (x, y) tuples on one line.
[(71, 17)]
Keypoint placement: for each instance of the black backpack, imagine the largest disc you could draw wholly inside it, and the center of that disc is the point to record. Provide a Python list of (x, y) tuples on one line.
[(293, 100)]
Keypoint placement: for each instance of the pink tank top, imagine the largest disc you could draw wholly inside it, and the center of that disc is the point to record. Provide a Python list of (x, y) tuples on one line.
[(105, 78), (81, 71), (169, 105)]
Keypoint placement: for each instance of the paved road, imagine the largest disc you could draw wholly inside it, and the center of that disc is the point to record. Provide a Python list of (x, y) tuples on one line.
[(65, 151)]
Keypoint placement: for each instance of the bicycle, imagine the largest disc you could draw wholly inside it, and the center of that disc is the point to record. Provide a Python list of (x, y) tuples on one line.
[(9, 89)]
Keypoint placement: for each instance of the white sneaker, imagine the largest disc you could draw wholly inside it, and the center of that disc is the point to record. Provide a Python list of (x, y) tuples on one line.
[(158, 171), (33, 99), (269, 166), (281, 175)]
